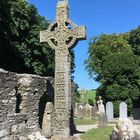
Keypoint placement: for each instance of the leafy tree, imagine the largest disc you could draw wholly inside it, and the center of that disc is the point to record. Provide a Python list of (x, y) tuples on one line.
[(116, 67), (134, 40), (99, 48), (20, 49)]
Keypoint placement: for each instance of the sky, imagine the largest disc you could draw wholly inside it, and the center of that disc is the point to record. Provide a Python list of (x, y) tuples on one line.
[(99, 16)]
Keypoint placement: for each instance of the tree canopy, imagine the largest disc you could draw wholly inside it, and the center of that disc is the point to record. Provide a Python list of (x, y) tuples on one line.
[(113, 62), (20, 49)]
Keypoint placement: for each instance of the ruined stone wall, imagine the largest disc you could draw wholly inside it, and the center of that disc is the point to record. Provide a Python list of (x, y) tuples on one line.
[(23, 98), (125, 130)]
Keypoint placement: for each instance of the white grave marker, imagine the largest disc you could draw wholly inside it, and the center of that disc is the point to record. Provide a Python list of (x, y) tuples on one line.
[(109, 111), (123, 110)]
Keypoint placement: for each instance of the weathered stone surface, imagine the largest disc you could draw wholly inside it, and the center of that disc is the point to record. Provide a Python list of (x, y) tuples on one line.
[(21, 103), (64, 138), (125, 130), (62, 36), (36, 136), (4, 133), (48, 121), (102, 120)]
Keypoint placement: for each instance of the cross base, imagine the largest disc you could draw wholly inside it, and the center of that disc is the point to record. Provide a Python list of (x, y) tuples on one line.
[(57, 137)]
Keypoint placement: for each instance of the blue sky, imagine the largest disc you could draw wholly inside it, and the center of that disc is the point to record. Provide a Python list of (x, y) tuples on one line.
[(99, 16)]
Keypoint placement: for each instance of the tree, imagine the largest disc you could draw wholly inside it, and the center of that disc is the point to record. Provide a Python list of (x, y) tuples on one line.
[(20, 49), (116, 67), (134, 40), (101, 46)]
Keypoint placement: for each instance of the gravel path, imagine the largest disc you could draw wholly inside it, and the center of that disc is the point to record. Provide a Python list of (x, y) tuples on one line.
[(83, 128)]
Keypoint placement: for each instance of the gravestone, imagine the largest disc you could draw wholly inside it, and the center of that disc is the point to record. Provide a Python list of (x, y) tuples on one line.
[(109, 111), (136, 116), (136, 113), (62, 36), (48, 125), (88, 110), (101, 108), (94, 110), (102, 120), (123, 110)]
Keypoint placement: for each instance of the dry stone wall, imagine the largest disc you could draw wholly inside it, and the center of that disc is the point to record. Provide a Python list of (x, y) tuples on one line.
[(23, 98)]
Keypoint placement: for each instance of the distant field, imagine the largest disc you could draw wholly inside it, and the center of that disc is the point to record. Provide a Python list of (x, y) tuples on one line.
[(90, 95)]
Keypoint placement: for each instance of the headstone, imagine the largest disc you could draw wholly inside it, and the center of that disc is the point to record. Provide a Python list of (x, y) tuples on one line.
[(136, 113), (94, 111), (47, 124), (88, 111), (102, 120), (62, 36), (109, 111), (136, 116), (101, 108), (123, 110)]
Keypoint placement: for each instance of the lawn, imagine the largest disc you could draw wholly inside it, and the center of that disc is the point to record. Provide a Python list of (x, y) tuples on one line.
[(90, 95), (85, 121), (97, 134)]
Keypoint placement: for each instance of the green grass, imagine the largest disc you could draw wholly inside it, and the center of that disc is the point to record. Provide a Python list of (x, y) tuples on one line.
[(97, 134), (85, 121), (91, 94)]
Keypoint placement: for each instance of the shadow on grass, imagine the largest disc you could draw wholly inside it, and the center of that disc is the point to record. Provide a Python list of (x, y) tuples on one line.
[(77, 132)]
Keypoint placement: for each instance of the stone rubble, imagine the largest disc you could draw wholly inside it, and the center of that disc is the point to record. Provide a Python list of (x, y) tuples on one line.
[(23, 98), (125, 130)]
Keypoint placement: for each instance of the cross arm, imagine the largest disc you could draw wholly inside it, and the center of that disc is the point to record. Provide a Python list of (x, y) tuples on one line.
[(45, 36), (79, 33)]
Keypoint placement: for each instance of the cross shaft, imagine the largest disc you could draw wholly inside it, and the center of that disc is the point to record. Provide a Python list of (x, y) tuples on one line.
[(62, 36)]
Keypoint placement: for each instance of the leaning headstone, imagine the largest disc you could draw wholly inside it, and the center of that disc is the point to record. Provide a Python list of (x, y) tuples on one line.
[(109, 111), (102, 120), (47, 125), (123, 110), (62, 36)]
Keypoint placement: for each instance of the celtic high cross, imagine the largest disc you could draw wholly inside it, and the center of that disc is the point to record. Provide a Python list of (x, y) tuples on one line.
[(62, 36)]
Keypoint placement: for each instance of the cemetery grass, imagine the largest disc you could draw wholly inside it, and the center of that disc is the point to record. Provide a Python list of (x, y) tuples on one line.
[(91, 95), (97, 134), (85, 121)]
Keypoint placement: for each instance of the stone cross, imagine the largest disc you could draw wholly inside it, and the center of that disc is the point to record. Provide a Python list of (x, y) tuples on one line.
[(62, 36)]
